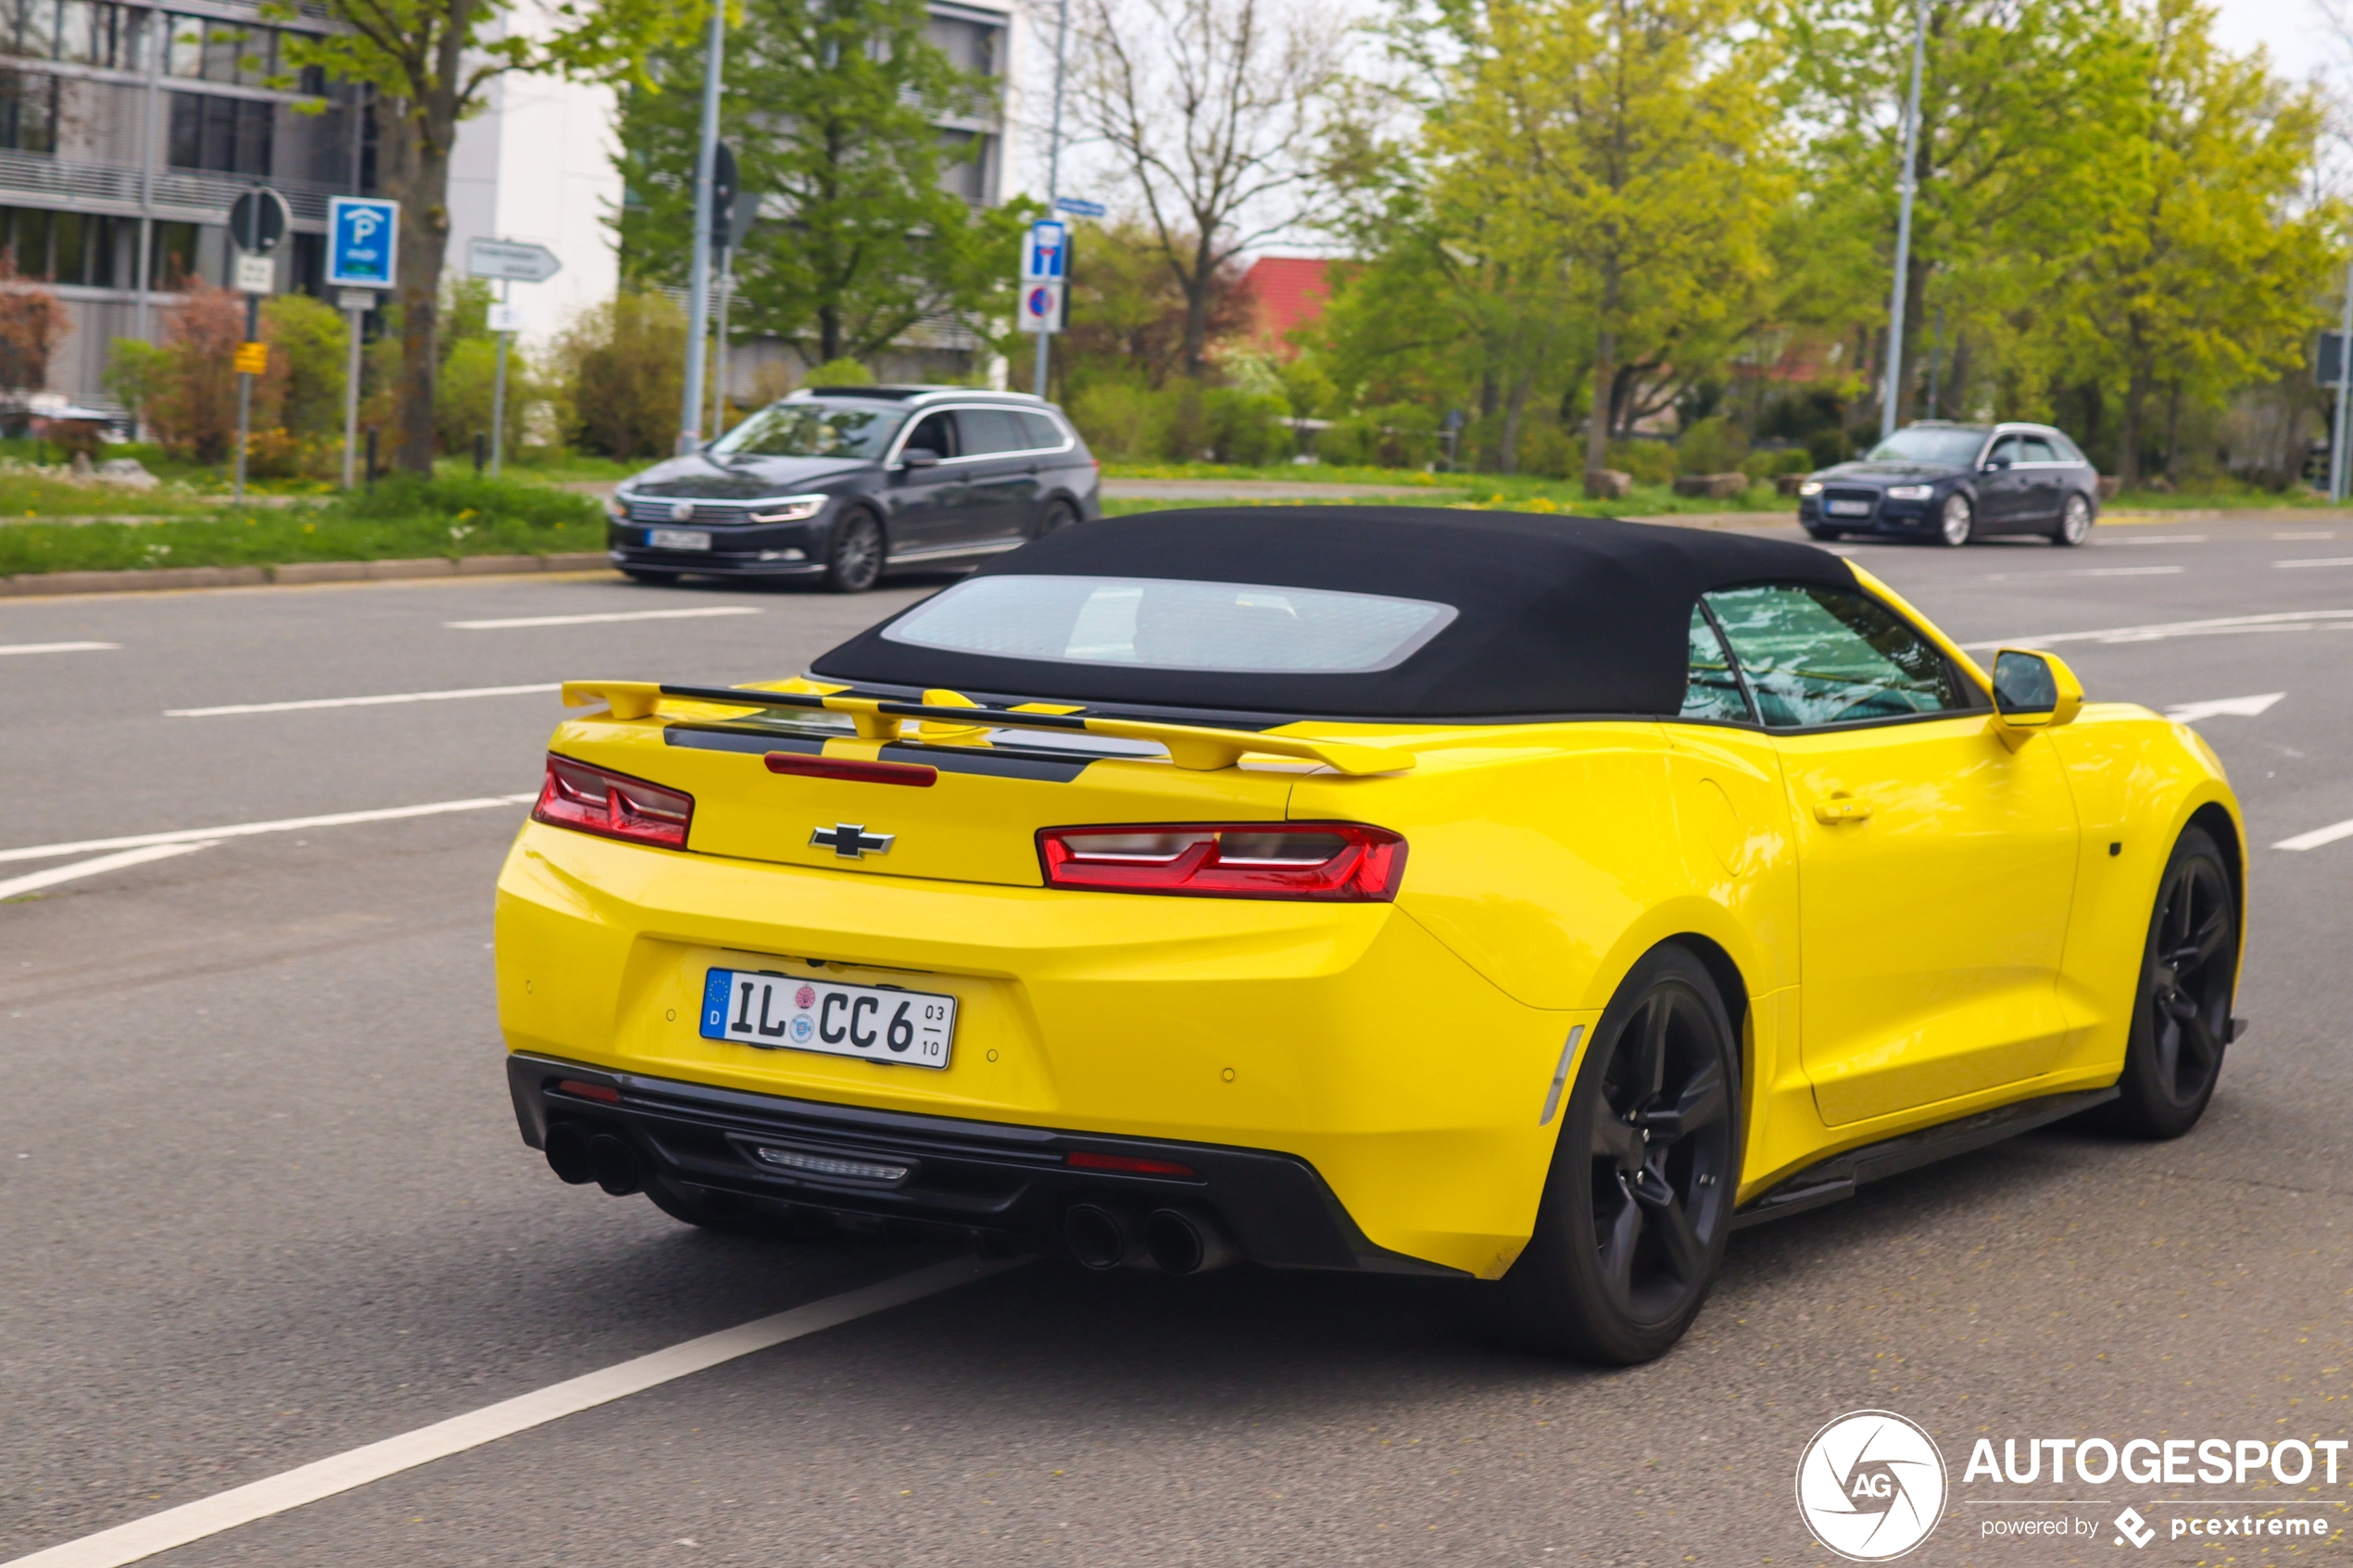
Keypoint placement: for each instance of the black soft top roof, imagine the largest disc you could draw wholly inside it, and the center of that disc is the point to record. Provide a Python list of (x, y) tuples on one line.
[(1558, 615)]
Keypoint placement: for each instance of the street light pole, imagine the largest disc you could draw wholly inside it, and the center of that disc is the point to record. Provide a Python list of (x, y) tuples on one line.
[(698, 281), (1054, 168), (2343, 392), (1904, 189)]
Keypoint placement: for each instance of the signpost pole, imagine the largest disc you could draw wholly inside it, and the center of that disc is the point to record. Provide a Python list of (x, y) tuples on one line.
[(244, 398), (1054, 168), (719, 344), (2337, 467), (498, 393), (1903, 231), (352, 316), (698, 264)]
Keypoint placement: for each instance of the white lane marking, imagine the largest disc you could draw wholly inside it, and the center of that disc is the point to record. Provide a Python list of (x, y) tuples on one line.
[(2317, 838), (2087, 572), (358, 701), (358, 1467), (284, 824), (32, 882), (2228, 707), (2322, 533), (2159, 539), (54, 647), (2281, 621), (2329, 560), (591, 619)]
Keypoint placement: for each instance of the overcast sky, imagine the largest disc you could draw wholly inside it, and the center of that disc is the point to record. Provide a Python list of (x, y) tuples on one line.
[(2292, 30)]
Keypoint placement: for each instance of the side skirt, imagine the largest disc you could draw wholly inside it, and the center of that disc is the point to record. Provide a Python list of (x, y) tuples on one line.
[(1830, 1180)]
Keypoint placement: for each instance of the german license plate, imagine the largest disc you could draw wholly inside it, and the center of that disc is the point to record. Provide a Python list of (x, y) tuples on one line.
[(677, 539), (1850, 508), (782, 1012)]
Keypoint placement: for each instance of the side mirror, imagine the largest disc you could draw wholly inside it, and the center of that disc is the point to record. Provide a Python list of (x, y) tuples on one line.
[(919, 457), (2033, 690), (1995, 465)]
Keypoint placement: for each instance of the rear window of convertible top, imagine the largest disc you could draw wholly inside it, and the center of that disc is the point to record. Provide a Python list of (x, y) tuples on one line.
[(1165, 624)]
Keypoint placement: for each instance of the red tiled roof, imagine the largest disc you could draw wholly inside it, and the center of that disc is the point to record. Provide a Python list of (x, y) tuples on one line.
[(1284, 292)]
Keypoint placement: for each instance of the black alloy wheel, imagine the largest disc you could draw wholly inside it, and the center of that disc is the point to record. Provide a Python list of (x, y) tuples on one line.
[(854, 559), (650, 579), (1824, 536), (1058, 516), (2075, 520), (1639, 1203), (1956, 520), (2182, 1010)]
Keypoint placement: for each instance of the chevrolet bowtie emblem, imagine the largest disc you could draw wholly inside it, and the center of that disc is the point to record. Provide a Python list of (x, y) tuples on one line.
[(851, 841)]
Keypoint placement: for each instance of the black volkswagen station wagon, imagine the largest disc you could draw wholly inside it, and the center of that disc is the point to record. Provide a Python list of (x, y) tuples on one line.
[(846, 483), (1949, 484)]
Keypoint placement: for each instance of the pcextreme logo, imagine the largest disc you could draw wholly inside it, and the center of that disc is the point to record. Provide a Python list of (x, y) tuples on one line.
[(1870, 1485)]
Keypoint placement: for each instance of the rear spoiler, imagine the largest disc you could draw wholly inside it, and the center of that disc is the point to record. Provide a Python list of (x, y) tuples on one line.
[(1192, 747)]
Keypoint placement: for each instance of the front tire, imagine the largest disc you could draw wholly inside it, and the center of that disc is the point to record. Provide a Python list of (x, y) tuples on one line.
[(1824, 536), (2182, 1007), (650, 579), (1058, 516), (854, 559), (1638, 1206), (1956, 520), (2075, 521)]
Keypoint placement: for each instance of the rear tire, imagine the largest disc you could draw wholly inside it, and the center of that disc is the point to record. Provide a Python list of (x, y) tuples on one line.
[(1638, 1205), (1058, 516), (854, 556), (1956, 520), (2075, 521), (2182, 1006)]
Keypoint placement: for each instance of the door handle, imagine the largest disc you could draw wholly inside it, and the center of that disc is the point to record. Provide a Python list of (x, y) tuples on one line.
[(1840, 808)]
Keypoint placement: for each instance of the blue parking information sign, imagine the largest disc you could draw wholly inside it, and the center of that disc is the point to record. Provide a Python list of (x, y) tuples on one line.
[(362, 241)]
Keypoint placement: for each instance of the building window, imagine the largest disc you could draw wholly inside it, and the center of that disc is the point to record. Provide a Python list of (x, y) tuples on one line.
[(970, 45), (963, 165), (65, 247), (237, 55), (28, 113), (226, 135), (89, 33), (173, 256)]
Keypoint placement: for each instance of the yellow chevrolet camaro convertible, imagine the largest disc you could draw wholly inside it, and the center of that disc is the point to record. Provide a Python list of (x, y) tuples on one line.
[(1529, 900)]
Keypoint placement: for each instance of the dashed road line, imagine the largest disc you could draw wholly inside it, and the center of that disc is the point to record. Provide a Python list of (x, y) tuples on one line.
[(2326, 561), (2224, 707), (2317, 838), (2281, 621), (2322, 533), (2088, 571), (228, 708), (2160, 539), (56, 648), (284, 824), (358, 1467), (32, 882), (593, 620)]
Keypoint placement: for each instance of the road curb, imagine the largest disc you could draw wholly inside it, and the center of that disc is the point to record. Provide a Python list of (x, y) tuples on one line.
[(35, 585)]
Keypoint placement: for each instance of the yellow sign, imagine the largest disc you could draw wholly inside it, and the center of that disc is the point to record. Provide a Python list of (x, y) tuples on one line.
[(253, 358)]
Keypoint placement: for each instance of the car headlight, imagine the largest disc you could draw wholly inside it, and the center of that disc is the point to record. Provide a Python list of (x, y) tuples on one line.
[(1809, 486), (1910, 491), (617, 507), (790, 508)]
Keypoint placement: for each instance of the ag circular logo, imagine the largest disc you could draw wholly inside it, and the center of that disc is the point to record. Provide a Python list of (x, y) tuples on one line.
[(1871, 1485)]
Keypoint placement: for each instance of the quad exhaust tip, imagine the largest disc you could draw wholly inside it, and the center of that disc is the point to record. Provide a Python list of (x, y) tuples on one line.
[(1102, 1239), (567, 1151), (614, 1164), (1176, 1241)]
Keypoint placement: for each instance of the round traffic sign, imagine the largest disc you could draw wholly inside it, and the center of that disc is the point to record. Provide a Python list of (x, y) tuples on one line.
[(258, 220)]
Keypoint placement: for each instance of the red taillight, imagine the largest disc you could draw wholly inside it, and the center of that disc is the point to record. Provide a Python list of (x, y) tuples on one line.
[(922, 776), (1129, 1163), (1336, 862), (603, 1092), (615, 805)]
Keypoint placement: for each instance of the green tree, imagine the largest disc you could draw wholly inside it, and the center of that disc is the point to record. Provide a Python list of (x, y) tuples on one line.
[(2208, 272), (309, 335), (431, 62), (832, 107), (1629, 149)]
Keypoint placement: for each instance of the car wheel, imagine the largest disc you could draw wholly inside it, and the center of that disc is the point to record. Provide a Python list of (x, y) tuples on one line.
[(2182, 1008), (2075, 521), (1059, 515), (1639, 1202), (650, 579), (854, 559), (1824, 536), (1955, 521)]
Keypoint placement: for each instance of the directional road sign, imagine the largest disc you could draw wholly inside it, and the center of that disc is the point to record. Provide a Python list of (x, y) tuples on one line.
[(1077, 207), (258, 220), (363, 236), (1045, 258), (517, 259)]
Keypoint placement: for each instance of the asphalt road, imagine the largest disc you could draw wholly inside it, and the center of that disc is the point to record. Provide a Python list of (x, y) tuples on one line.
[(261, 1199)]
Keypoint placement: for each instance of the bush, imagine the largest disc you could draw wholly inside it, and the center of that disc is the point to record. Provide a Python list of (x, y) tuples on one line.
[(187, 390), (1825, 448), (1180, 422), (1116, 419), (1247, 428), (32, 322), (309, 335), (1714, 444), (1545, 448), (463, 396), (623, 365), (1651, 462)]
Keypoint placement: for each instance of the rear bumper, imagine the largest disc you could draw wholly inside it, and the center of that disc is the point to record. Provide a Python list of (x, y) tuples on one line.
[(974, 1176)]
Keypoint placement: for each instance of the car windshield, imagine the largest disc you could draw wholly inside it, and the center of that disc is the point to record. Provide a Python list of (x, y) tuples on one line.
[(1945, 448), (1166, 624), (807, 429)]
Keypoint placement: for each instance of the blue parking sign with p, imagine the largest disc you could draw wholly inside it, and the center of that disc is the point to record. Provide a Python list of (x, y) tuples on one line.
[(362, 241)]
